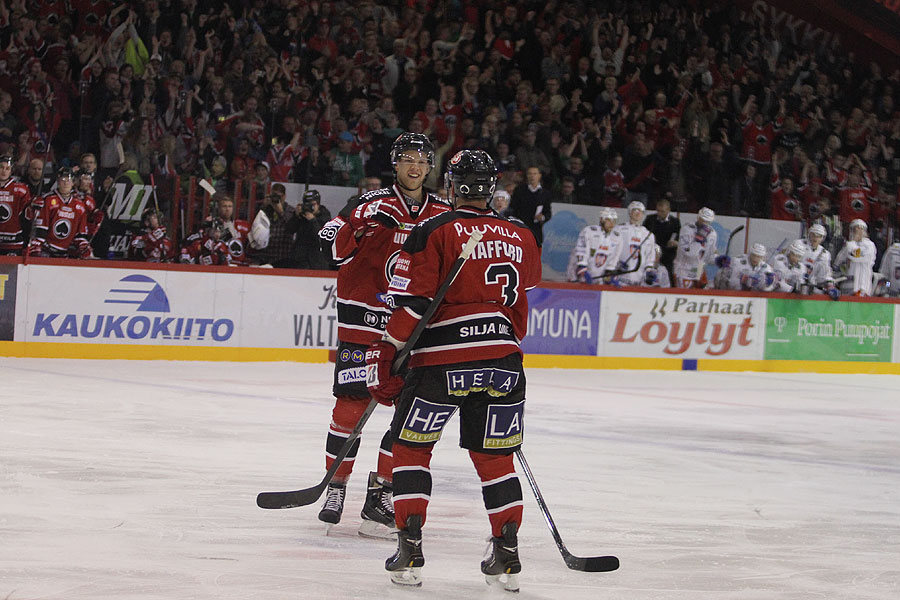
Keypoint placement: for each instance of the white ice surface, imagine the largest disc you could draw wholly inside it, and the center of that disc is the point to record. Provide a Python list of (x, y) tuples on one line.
[(123, 480)]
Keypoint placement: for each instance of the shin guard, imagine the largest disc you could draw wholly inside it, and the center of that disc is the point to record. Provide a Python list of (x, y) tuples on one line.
[(500, 489)]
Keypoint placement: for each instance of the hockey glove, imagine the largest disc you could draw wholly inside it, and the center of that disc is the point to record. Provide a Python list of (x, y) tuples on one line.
[(723, 261), (769, 280), (650, 276), (383, 386), (582, 274), (833, 292)]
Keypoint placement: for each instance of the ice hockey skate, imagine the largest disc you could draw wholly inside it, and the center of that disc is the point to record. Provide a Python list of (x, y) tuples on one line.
[(333, 506), (501, 566), (406, 564), (378, 511)]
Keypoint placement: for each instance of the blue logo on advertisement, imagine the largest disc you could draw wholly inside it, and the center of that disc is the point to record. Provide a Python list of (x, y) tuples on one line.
[(560, 235), (562, 321), (149, 297), (146, 293)]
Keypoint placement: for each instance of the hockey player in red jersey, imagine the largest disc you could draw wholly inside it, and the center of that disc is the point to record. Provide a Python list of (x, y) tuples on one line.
[(15, 210), (60, 222), (365, 240), (208, 249), (467, 359), (85, 191), (152, 245)]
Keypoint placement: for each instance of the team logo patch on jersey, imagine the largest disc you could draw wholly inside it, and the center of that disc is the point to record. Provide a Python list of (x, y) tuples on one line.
[(425, 421), (390, 265), (62, 228), (503, 427), (399, 283), (496, 382), (352, 375), (358, 356), (345, 355), (5, 212)]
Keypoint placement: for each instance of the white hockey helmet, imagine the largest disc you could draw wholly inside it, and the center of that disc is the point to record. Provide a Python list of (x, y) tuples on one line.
[(608, 213), (706, 214), (758, 250), (636, 205), (859, 223), (816, 229), (798, 248)]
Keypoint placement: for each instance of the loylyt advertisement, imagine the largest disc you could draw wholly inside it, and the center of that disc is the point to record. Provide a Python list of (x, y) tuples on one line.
[(562, 321), (681, 326), (821, 330)]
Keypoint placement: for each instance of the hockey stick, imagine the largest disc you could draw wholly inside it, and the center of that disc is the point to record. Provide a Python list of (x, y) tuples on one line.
[(736, 231), (307, 496), (630, 256), (591, 564)]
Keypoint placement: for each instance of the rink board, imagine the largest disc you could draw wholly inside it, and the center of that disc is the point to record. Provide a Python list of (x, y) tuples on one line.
[(109, 310)]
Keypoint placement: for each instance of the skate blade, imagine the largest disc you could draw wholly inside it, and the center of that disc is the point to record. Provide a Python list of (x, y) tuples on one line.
[(328, 527), (377, 531), (506, 581), (410, 577)]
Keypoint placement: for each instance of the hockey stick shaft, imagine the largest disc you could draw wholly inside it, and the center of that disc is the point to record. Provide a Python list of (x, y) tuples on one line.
[(307, 496), (736, 231), (636, 267), (593, 563)]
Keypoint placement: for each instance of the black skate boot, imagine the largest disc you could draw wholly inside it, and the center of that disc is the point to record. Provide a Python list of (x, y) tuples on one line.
[(378, 511), (334, 505), (406, 564), (501, 565)]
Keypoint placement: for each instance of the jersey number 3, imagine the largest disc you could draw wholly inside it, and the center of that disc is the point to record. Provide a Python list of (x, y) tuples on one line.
[(506, 275)]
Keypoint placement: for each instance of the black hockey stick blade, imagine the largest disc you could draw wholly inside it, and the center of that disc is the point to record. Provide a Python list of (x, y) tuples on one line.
[(592, 564), (307, 496)]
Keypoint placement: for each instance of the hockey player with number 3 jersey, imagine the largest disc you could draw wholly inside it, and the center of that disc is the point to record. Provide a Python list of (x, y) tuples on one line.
[(365, 240), (467, 359), (597, 250)]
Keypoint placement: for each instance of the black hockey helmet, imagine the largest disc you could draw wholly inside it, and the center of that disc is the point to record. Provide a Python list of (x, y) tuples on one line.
[(471, 174), (417, 142), (312, 196), (6, 159), (65, 173)]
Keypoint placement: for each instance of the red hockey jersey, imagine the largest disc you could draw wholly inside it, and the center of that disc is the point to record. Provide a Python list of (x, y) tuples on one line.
[(60, 226), (236, 236), (151, 246), (205, 251), (14, 200), (368, 261), (485, 312)]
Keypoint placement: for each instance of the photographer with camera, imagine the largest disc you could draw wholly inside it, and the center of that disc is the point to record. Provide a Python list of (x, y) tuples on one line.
[(274, 244), (310, 217)]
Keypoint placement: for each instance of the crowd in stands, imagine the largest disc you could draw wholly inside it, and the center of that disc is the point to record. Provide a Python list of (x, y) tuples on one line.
[(612, 102)]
